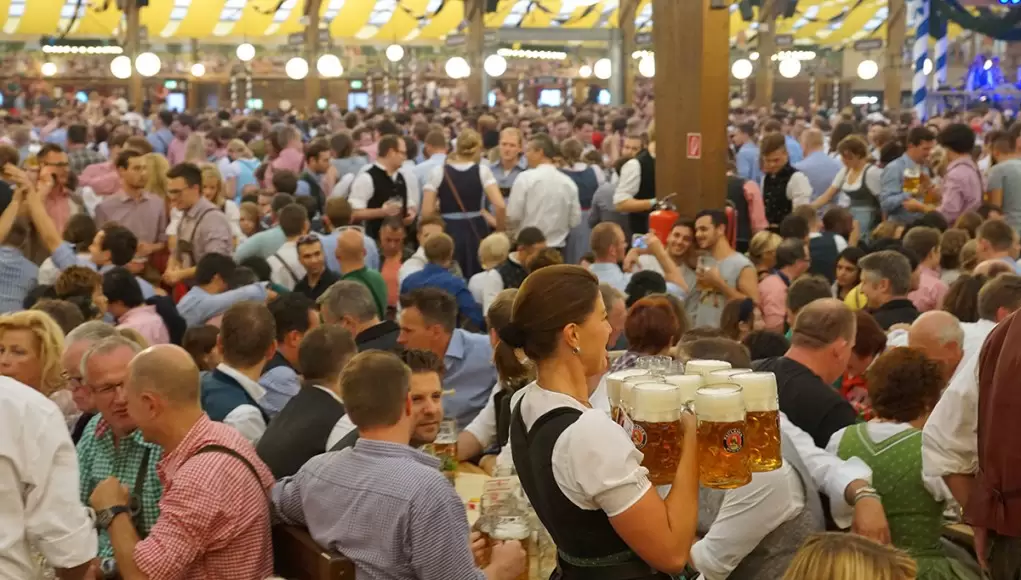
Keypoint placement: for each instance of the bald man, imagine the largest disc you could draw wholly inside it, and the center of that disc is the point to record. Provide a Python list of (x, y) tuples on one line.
[(212, 523), (820, 168), (939, 335), (351, 258)]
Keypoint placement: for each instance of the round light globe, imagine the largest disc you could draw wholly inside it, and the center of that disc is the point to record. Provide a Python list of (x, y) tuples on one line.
[(148, 64), (457, 68), (296, 68), (495, 65), (647, 66), (329, 66), (868, 69), (585, 71), (120, 66), (603, 69), (198, 69), (789, 68), (245, 52), (741, 69), (48, 69), (394, 52)]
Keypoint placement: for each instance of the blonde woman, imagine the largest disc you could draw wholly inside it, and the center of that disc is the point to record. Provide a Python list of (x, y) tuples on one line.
[(762, 252), (493, 251), (31, 344), (459, 190), (195, 149), (243, 164), (588, 178), (839, 556)]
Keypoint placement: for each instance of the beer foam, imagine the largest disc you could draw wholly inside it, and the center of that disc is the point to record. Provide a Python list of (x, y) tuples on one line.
[(758, 390), (722, 377), (614, 380), (628, 384), (719, 404), (511, 529), (656, 402), (704, 367), (688, 384)]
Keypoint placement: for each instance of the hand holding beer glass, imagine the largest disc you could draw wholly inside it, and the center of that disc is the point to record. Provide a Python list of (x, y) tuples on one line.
[(722, 457), (658, 431), (762, 436), (613, 384), (912, 181)]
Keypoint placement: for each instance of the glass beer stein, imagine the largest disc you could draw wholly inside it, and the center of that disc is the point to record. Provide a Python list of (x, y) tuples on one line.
[(688, 385), (626, 387), (445, 448), (704, 367), (762, 406), (722, 377), (613, 383), (657, 432), (912, 180), (722, 457)]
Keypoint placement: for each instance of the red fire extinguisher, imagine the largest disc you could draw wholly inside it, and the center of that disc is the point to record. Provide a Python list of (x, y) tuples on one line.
[(663, 218)]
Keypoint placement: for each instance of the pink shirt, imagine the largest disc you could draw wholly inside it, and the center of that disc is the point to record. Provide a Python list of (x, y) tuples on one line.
[(756, 207), (931, 291), (290, 158), (60, 207), (175, 152), (147, 322), (962, 189), (773, 301), (101, 177)]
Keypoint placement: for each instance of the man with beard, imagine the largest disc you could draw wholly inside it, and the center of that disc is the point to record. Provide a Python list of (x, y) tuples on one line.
[(721, 274)]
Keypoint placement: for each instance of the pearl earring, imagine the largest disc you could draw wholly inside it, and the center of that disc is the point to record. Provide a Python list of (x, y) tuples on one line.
[(576, 350)]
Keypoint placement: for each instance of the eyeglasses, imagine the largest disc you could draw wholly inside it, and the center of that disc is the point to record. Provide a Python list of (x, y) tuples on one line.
[(61, 165), (307, 239), (74, 382), (104, 390)]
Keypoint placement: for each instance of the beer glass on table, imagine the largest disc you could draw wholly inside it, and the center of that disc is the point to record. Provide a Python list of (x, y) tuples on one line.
[(444, 447), (722, 377), (688, 385), (762, 406), (657, 430), (613, 383), (722, 457), (912, 180), (704, 366)]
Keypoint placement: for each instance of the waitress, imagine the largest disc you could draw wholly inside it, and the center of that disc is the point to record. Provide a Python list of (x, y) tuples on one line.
[(580, 471)]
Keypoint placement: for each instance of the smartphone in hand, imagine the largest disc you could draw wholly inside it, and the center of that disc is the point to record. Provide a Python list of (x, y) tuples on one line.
[(638, 242)]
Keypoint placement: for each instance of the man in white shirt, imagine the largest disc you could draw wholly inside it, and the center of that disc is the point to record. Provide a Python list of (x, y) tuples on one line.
[(378, 186), (611, 248), (39, 489), (286, 268), (543, 197)]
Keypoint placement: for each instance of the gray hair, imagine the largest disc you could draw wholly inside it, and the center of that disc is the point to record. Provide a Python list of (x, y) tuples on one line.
[(888, 265), (610, 295), (349, 298), (106, 346), (92, 331)]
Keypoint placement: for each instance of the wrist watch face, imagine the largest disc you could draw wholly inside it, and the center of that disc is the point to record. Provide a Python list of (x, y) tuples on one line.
[(105, 517)]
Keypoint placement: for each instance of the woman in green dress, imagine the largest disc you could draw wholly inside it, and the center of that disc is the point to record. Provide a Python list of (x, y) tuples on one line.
[(904, 386)]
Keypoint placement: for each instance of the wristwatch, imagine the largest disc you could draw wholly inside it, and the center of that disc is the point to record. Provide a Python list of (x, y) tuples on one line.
[(105, 517)]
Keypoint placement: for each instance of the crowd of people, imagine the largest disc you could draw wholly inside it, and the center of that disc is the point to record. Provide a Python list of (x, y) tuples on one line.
[(213, 323)]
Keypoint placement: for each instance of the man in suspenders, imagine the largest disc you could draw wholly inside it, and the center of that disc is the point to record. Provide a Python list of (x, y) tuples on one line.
[(204, 229)]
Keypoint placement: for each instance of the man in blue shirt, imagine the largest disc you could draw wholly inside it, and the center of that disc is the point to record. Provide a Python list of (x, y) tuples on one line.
[(435, 151), (161, 136), (818, 167), (428, 320), (439, 251), (898, 205), (748, 166)]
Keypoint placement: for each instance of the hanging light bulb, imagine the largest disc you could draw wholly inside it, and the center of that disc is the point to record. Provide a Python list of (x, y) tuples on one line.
[(296, 68), (120, 66), (868, 69), (495, 65), (603, 69), (585, 71), (789, 68), (198, 69), (148, 64), (394, 52), (329, 66), (741, 69), (457, 68), (48, 69), (647, 66), (245, 52)]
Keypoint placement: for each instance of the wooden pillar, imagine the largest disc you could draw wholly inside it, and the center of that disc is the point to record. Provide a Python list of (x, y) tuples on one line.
[(767, 47), (626, 13), (692, 51), (313, 85), (896, 26), (474, 13), (131, 49)]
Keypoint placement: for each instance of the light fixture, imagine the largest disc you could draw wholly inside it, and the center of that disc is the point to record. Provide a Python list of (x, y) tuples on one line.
[(120, 66), (68, 49), (245, 52), (296, 68), (753, 56), (647, 67), (533, 54), (198, 69), (457, 68), (329, 66), (868, 69), (794, 55), (148, 64), (48, 69), (741, 69), (789, 68), (603, 69), (585, 71), (394, 52), (495, 65), (927, 67)]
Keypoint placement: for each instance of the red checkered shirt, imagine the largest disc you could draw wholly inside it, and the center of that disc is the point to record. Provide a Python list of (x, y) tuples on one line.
[(214, 516)]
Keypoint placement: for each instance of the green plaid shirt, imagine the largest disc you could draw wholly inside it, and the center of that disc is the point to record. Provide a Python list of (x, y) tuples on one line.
[(99, 458)]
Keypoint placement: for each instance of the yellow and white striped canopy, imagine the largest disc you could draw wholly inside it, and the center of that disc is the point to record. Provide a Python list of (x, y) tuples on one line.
[(826, 22)]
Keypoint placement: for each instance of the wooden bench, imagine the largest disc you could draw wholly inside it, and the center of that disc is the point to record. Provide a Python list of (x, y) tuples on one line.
[(296, 556)]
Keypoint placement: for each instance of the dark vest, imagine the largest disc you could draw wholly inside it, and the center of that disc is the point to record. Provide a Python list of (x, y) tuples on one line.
[(469, 188), (278, 360), (639, 221), (512, 273), (383, 188), (582, 536), (587, 183), (823, 251), (736, 198), (774, 195), (221, 394), (299, 432)]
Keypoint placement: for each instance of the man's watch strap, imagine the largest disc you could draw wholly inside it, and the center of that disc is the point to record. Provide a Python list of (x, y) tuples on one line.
[(105, 517)]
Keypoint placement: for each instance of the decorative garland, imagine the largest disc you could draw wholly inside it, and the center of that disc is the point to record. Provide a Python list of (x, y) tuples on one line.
[(1005, 28)]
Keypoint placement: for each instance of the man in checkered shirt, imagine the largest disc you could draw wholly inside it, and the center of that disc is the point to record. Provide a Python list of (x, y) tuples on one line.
[(214, 519), (382, 503)]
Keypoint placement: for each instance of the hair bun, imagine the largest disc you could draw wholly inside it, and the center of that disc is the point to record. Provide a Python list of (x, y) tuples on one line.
[(512, 335)]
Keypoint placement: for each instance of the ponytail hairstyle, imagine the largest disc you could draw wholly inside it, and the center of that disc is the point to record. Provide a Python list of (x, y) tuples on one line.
[(513, 370)]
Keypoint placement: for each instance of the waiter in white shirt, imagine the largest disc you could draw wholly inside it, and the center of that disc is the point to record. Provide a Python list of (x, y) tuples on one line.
[(636, 189), (542, 196), (382, 190), (39, 489)]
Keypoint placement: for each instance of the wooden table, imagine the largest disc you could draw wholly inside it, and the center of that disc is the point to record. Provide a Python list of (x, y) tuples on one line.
[(296, 556)]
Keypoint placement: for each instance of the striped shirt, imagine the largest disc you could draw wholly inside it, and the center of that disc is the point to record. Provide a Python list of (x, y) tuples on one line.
[(386, 507), (18, 274)]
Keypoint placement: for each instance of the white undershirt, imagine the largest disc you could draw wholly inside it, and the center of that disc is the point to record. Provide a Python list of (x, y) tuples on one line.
[(248, 420)]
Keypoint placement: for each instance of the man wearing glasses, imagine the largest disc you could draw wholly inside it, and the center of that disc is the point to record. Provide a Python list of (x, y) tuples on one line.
[(382, 190), (112, 445), (54, 171), (76, 343), (204, 228)]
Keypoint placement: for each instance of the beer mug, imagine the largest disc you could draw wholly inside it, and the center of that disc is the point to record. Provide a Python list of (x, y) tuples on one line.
[(628, 384), (657, 428), (762, 406), (613, 382), (722, 457), (655, 364), (688, 385), (912, 180), (515, 528), (704, 367), (445, 447), (722, 377)]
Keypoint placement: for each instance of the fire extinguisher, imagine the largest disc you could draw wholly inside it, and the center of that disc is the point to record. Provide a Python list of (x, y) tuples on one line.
[(663, 218)]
